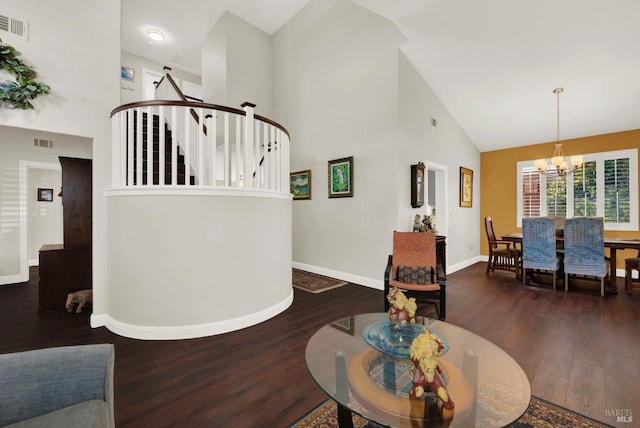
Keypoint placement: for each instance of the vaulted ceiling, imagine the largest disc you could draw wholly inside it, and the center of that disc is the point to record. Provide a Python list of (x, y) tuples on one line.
[(494, 63)]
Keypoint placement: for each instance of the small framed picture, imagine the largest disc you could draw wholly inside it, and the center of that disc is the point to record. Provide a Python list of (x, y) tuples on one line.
[(466, 187), (341, 178), (300, 183), (127, 73), (45, 195)]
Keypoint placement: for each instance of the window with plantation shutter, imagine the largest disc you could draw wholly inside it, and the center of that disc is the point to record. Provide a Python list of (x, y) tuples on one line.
[(606, 186), (530, 193), (556, 195), (616, 191), (585, 190)]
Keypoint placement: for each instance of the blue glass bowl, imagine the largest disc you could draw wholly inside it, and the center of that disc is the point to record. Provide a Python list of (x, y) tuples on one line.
[(394, 338)]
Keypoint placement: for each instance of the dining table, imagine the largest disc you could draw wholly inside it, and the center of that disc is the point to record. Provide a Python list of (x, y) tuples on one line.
[(613, 244)]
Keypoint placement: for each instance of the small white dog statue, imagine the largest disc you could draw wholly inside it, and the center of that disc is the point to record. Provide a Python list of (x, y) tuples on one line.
[(81, 297)]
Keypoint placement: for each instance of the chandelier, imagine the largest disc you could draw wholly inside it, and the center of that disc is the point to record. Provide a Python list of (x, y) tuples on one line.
[(559, 164)]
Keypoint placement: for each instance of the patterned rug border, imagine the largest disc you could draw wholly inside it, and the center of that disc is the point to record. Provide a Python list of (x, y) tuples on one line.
[(528, 420), (328, 282)]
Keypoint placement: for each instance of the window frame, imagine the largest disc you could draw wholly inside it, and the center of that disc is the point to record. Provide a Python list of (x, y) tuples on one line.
[(599, 158)]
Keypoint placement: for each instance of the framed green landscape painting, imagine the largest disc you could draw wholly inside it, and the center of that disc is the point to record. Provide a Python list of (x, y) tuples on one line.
[(300, 183), (341, 178)]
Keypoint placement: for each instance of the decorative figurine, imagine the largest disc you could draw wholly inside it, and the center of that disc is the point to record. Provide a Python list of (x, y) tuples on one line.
[(417, 225), (402, 309), (424, 354)]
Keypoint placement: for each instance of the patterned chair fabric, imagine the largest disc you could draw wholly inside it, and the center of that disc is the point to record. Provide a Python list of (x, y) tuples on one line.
[(539, 246), (416, 250), (502, 256), (584, 249)]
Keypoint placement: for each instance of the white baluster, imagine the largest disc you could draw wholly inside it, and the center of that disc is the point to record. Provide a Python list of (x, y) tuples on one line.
[(187, 147), (272, 156), (238, 120), (139, 126), (256, 157), (174, 146), (201, 146), (116, 139), (161, 146), (213, 125), (130, 136), (248, 142), (149, 154), (227, 152)]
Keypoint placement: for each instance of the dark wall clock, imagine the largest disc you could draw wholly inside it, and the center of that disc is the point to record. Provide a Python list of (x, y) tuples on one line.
[(417, 185)]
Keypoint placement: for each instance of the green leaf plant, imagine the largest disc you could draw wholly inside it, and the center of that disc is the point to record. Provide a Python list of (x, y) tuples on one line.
[(18, 93)]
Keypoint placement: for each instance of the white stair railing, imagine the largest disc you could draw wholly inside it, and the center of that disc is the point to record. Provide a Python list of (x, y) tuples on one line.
[(219, 146)]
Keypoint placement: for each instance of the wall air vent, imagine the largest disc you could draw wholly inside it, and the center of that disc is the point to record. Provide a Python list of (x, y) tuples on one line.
[(13, 26), (38, 142)]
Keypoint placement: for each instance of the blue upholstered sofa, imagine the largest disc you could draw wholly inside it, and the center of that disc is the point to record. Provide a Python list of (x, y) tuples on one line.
[(69, 386)]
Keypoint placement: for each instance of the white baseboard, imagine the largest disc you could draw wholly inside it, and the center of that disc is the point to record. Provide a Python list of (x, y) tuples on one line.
[(13, 279), (189, 331)]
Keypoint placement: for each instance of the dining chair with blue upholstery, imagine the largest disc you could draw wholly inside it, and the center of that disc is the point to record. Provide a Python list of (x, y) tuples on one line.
[(539, 246), (584, 249)]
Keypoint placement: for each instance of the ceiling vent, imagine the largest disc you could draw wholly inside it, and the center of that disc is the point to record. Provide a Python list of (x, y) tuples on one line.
[(38, 142), (13, 26)]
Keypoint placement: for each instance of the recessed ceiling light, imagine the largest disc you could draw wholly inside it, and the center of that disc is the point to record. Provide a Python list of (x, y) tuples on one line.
[(155, 35)]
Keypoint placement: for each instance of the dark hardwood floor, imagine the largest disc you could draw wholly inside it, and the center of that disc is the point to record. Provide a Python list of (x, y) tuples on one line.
[(579, 351)]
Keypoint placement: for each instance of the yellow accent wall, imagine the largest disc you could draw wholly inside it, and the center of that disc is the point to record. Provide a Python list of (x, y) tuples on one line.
[(498, 193)]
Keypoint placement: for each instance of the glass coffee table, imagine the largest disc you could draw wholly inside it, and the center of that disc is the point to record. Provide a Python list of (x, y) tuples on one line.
[(488, 387)]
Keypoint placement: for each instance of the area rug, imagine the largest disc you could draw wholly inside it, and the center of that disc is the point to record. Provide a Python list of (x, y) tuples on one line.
[(541, 414), (314, 283)]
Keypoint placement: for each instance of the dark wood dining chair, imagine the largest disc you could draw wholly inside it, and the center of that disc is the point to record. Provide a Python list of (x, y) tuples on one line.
[(630, 265), (502, 256)]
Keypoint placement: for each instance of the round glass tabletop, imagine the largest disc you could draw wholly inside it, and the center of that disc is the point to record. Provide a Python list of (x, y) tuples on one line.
[(488, 387)]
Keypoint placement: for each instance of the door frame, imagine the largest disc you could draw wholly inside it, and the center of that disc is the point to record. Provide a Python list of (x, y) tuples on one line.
[(23, 167)]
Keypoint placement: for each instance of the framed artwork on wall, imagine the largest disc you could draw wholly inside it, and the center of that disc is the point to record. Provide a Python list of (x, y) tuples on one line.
[(466, 187), (45, 195), (341, 178), (127, 73), (300, 184)]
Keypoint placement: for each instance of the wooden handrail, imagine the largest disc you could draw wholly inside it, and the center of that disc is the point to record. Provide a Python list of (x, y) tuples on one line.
[(193, 104)]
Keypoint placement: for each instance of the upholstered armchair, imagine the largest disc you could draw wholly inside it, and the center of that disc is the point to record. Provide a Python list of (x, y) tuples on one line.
[(69, 386), (539, 246), (502, 256), (412, 268), (584, 249)]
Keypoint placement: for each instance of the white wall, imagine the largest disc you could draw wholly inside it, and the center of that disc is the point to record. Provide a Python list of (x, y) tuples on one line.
[(336, 91), (226, 255), (342, 87), (16, 146), (80, 60), (237, 65), (214, 64), (446, 145), (45, 217), (132, 91)]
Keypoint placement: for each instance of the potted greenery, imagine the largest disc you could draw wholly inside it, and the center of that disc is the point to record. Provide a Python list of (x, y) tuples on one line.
[(18, 93)]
